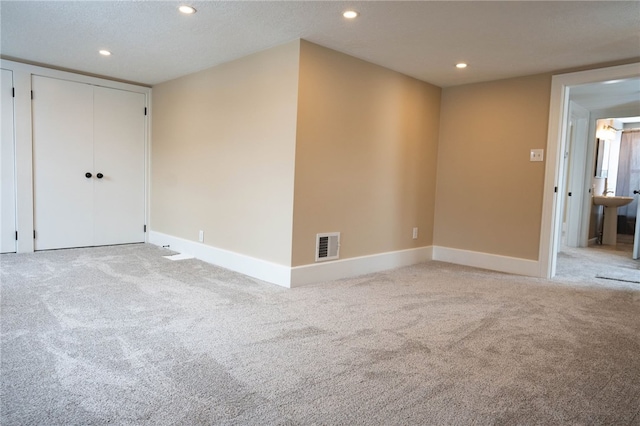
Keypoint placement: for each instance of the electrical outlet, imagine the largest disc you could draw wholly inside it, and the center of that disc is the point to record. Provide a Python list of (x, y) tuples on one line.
[(201, 236), (415, 233)]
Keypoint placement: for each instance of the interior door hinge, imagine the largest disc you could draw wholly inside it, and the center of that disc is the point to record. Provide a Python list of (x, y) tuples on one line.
[(145, 110), (555, 189), (16, 235), (34, 234), (13, 92), (32, 95), (145, 228)]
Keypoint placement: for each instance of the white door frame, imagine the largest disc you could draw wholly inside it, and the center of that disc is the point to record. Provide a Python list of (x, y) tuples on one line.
[(556, 142), (636, 236)]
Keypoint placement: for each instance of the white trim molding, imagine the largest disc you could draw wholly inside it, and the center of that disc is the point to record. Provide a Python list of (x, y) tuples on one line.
[(286, 276), (344, 268), (494, 262), (247, 265), (297, 276)]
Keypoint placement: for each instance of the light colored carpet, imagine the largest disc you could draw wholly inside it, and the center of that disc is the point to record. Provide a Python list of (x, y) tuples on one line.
[(614, 263), (122, 335)]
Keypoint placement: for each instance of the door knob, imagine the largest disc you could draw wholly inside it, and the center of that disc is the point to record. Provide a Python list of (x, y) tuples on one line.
[(99, 175), (637, 191), (88, 175)]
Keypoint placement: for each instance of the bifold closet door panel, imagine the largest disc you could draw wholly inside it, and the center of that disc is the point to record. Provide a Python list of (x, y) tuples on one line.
[(62, 157), (7, 167), (119, 163)]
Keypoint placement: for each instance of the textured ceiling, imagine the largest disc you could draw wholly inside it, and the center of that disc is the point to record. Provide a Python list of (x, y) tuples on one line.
[(151, 42)]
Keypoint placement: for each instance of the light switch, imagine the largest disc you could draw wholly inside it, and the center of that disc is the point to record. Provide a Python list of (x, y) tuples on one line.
[(536, 155)]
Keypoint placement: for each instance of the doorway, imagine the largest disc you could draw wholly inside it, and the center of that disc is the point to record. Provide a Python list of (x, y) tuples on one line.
[(607, 165), (556, 177), (604, 248)]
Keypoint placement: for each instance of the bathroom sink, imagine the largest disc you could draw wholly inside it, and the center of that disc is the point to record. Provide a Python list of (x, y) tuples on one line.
[(602, 200)]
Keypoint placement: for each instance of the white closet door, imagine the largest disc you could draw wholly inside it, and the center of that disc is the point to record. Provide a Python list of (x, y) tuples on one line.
[(7, 167), (119, 153), (62, 155)]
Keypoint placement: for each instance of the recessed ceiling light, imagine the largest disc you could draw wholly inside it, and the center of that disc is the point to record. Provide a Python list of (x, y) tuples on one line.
[(187, 10), (350, 14), (104, 52), (461, 65)]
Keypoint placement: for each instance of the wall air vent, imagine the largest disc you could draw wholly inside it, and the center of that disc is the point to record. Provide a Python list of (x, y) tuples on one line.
[(327, 246)]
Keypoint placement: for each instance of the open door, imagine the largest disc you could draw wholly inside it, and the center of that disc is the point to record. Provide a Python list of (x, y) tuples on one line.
[(636, 237), (577, 186)]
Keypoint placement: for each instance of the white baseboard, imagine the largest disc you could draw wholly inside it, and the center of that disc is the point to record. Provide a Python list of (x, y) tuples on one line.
[(344, 268), (494, 262), (247, 265), (286, 276), (289, 277)]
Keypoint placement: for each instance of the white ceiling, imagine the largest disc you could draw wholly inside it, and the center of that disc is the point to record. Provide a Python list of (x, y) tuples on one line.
[(618, 97), (151, 42)]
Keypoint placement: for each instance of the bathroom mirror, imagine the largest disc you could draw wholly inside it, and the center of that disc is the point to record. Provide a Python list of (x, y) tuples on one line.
[(602, 158)]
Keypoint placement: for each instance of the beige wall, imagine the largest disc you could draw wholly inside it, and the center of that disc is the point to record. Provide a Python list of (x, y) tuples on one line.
[(223, 154), (489, 196), (365, 156), (267, 151)]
